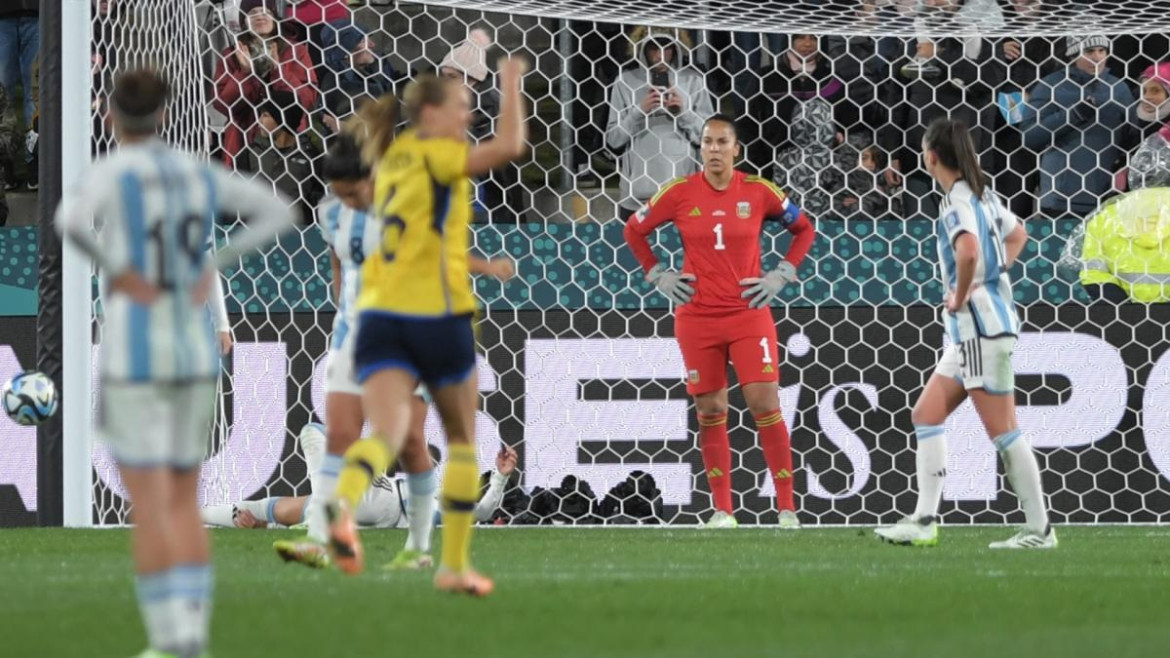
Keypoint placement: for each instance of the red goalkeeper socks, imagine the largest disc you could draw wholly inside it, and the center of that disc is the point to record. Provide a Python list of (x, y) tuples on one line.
[(778, 454), (716, 450)]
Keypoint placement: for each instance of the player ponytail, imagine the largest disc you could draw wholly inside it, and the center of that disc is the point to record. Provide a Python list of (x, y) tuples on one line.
[(951, 142), (373, 127)]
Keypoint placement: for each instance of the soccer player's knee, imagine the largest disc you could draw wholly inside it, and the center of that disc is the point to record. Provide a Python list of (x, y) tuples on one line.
[(340, 435), (711, 404)]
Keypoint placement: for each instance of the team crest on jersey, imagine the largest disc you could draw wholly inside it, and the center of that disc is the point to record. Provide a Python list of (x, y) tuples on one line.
[(693, 376), (743, 209)]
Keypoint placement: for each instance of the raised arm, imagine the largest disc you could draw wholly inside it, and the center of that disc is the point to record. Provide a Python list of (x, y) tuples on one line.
[(511, 139)]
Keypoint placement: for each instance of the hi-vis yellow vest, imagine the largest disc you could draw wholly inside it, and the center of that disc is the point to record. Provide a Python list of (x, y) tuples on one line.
[(1127, 242)]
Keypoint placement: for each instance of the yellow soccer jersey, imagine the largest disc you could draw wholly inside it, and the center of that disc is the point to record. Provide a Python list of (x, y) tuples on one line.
[(422, 196)]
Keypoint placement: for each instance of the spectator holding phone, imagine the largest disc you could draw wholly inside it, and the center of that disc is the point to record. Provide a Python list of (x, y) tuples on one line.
[(656, 114)]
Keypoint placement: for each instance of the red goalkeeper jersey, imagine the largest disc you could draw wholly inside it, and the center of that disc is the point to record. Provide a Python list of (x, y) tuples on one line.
[(720, 232)]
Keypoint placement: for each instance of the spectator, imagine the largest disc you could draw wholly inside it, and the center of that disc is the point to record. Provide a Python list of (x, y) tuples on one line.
[(866, 189), (288, 161), (1020, 62), (20, 39), (1149, 166), (795, 123), (656, 114), (353, 68), (9, 146), (1075, 120), (498, 192), (935, 79), (262, 61), (316, 16)]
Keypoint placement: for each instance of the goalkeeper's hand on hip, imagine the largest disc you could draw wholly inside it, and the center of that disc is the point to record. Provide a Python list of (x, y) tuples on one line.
[(762, 290), (673, 285)]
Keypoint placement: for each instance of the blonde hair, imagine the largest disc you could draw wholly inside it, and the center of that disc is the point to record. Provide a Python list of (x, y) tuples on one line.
[(373, 125), (423, 91)]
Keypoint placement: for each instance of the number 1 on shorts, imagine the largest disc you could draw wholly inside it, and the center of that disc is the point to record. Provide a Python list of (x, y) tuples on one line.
[(767, 351)]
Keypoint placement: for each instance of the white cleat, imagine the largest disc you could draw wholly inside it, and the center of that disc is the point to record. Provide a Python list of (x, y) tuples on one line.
[(789, 520), (721, 520), (911, 531), (1026, 538)]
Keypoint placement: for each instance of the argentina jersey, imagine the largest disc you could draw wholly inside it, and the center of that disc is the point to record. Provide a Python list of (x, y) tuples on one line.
[(157, 215), (352, 234), (991, 311)]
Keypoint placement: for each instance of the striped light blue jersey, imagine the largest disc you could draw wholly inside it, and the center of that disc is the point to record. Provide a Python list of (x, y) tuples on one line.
[(991, 311), (352, 234), (153, 208)]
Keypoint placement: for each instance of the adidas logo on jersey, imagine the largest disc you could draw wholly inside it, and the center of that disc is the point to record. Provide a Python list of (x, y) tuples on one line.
[(695, 212)]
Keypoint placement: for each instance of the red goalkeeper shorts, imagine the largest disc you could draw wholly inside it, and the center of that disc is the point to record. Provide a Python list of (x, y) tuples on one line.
[(747, 338)]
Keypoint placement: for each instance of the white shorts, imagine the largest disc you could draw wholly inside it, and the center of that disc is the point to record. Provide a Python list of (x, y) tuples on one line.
[(341, 376), (382, 506), (157, 424), (981, 363)]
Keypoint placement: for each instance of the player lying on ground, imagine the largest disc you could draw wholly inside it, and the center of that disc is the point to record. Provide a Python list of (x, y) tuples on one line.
[(383, 506), (979, 240), (345, 220), (154, 208), (723, 302), (417, 306)]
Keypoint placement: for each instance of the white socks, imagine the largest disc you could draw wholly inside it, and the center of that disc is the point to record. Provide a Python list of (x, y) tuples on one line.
[(176, 608), (323, 489), (422, 506), (1019, 463), (219, 515), (931, 458)]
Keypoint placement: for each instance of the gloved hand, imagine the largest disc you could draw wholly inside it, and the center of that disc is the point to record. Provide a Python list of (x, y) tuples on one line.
[(762, 290), (671, 284)]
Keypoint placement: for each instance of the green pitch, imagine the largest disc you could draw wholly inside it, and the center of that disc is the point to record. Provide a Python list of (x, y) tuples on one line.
[(625, 592)]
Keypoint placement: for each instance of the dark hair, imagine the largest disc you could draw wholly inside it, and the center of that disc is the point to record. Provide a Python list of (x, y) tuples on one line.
[(343, 160), (723, 118), (878, 155), (951, 142), (138, 100)]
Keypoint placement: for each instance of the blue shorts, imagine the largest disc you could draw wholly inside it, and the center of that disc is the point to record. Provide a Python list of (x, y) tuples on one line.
[(438, 351)]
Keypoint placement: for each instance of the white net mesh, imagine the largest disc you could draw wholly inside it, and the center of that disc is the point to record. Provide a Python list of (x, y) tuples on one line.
[(580, 371)]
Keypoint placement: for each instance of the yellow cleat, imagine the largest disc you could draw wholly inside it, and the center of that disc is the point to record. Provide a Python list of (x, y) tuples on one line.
[(468, 582), (408, 560), (309, 553), (344, 545)]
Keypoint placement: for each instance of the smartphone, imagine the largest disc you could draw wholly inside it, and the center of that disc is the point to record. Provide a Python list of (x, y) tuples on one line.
[(660, 79)]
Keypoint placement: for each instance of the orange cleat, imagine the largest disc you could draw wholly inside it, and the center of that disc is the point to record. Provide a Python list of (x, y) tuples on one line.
[(344, 544), (468, 582)]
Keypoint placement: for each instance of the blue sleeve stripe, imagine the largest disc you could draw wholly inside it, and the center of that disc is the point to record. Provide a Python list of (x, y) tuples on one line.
[(139, 334), (172, 226), (208, 231)]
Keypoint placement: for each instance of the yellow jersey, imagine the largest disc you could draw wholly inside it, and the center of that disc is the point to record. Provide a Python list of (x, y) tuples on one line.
[(422, 196)]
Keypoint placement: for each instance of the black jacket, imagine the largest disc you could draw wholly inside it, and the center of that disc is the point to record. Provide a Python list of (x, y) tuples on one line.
[(19, 8)]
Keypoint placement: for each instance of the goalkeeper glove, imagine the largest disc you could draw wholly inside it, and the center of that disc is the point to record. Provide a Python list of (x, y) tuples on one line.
[(762, 290), (671, 284)]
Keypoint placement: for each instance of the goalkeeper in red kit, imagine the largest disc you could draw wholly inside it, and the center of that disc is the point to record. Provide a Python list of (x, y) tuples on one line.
[(722, 297)]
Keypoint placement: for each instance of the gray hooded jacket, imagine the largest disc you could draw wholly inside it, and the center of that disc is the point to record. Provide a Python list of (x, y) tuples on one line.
[(658, 146)]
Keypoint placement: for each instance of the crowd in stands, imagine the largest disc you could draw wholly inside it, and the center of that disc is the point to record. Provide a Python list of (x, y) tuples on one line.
[(1062, 123)]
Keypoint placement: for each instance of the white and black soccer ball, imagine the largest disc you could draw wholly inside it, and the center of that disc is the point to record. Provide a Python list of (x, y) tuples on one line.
[(29, 398)]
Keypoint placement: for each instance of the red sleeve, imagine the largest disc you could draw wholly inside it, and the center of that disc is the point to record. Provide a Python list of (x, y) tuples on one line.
[(649, 217), (780, 208), (227, 84)]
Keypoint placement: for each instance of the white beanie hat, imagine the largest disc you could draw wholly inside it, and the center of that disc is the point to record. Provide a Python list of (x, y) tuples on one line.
[(1076, 45), (470, 57)]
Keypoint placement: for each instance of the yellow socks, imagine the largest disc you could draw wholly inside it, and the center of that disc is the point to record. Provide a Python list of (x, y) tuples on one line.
[(460, 493), (365, 460)]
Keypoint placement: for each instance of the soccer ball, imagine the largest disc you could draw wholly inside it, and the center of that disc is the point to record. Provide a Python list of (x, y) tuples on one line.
[(29, 398)]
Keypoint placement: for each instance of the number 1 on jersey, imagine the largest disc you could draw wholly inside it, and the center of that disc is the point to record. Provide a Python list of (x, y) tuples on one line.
[(719, 246)]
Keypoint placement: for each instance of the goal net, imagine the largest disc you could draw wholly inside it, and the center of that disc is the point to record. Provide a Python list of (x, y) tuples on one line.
[(580, 372)]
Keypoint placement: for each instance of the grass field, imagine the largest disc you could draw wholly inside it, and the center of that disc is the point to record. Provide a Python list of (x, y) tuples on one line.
[(625, 592)]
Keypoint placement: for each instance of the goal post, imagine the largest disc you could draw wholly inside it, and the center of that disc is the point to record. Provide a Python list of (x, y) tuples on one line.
[(579, 370)]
